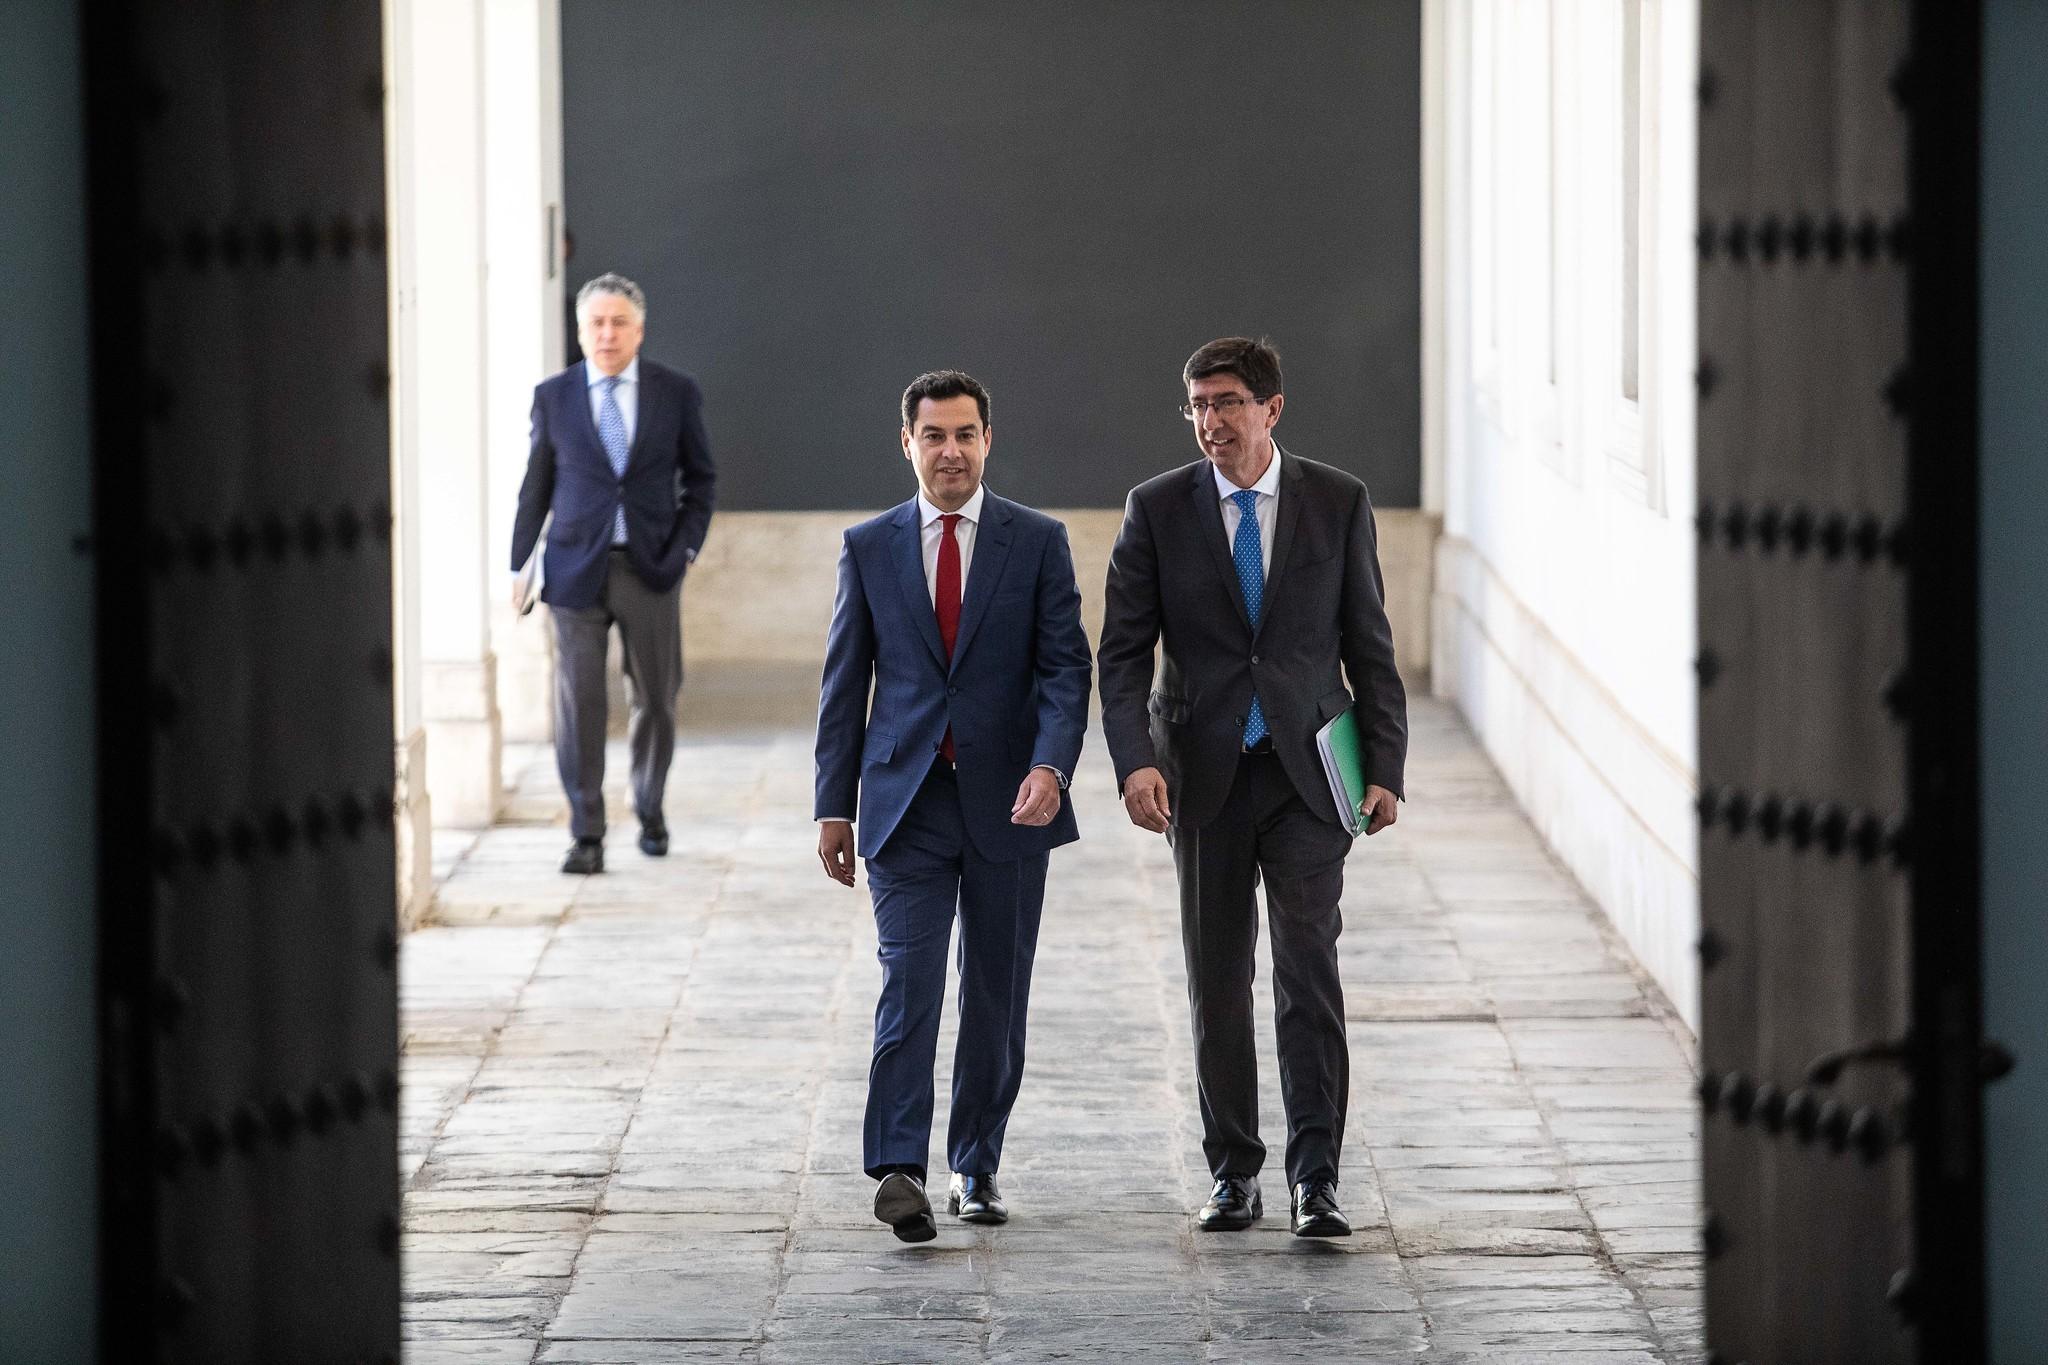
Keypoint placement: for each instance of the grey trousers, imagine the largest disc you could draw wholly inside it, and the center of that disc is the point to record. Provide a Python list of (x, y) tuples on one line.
[(651, 631)]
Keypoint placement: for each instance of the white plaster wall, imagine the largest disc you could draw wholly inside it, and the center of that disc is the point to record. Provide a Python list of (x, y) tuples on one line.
[(525, 313), (1564, 599)]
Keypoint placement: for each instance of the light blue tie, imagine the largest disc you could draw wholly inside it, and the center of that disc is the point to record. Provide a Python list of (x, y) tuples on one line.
[(1251, 576), (611, 429)]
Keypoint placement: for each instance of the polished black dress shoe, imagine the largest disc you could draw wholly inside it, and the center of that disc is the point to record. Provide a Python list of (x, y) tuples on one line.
[(900, 1202), (654, 838), (976, 1199), (1315, 1210), (1233, 1205), (586, 856)]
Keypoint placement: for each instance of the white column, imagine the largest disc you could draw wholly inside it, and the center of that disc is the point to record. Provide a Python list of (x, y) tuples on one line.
[(523, 304), (438, 170), (412, 807)]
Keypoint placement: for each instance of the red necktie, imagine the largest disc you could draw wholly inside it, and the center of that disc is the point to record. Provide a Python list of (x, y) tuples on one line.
[(946, 602)]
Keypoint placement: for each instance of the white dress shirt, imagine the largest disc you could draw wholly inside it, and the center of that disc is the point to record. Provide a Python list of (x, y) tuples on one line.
[(932, 531), (1268, 489), (628, 394)]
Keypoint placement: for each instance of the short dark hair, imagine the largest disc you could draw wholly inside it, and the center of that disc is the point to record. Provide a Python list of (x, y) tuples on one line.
[(1255, 362), (942, 384)]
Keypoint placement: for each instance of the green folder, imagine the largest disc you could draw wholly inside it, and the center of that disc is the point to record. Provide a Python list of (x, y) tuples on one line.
[(1344, 764)]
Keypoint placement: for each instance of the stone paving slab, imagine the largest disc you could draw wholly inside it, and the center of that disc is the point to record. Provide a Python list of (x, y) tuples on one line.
[(631, 1120)]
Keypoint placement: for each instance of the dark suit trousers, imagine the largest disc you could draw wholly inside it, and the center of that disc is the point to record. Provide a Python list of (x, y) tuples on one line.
[(651, 633), (1265, 829), (920, 878)]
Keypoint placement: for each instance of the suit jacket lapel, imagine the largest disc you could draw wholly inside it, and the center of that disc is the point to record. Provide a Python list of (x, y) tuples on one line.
[(645, 406), (1288, 522), (991, 549), (1209, 526), (581, 398), (907, 546)]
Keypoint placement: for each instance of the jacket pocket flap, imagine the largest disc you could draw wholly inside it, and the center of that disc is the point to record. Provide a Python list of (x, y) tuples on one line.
[(878, 748), (1175, 709), (1333, 704)]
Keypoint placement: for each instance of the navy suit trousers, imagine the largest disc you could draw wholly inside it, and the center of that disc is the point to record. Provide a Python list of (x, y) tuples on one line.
[(925, 874)]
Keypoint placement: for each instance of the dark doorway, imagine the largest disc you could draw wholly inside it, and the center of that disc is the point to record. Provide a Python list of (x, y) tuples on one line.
[(1841, 1045), (241, 539)]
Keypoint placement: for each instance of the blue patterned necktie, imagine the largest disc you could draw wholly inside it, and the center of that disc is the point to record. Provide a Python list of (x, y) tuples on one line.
[(1251, 576), (611, 429)]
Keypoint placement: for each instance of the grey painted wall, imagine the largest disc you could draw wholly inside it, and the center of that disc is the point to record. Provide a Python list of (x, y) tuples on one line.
[(1064, 198), (2015, 645), (48, 1120)]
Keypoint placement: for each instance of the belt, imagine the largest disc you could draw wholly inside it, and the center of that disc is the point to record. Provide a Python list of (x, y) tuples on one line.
[(1264, 746)]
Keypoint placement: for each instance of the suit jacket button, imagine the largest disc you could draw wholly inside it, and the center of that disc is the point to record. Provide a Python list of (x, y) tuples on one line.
[(952, 691), (1238, 721), (1255, 658)]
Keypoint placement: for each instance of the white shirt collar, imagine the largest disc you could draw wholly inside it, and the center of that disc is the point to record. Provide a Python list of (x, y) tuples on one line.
[(1267, 486), (971, 509), (592, 376)]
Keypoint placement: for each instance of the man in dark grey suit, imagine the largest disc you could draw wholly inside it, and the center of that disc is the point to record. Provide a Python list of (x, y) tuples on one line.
[(621, 463), (1259, 571)]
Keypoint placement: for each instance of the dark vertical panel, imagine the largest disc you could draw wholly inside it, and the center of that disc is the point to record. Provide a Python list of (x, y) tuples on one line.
[(242, 525), (1839, 1020), (47, 1009), (1943, 89), (2013, 486), (1065, 198)]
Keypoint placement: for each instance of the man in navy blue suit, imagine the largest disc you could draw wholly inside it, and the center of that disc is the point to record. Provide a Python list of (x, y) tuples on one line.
[(958, 609), (621, 473)]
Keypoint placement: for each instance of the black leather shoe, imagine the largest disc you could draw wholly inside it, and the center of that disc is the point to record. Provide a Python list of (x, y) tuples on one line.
[(900, 1202), (1233, 1206), (654, 838), (1315, 1210), (976, 1199), (586, 856)]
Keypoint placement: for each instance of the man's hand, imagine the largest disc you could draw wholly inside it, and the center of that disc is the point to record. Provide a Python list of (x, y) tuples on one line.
[(1379, 809), (516, 595), (1145, 800), (835, 850), (1038, 800)]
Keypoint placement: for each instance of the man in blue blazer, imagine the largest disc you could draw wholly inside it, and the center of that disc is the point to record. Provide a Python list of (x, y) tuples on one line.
[(620, 461), (958, 610)]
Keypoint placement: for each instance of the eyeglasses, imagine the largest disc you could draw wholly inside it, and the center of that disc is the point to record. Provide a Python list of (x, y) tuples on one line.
[(1226, 406)]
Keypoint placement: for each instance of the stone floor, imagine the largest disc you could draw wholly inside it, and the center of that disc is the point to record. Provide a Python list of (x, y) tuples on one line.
[(632, 1104)]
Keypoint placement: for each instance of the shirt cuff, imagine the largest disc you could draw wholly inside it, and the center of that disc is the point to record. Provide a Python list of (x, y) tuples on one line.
[(835, 819)]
